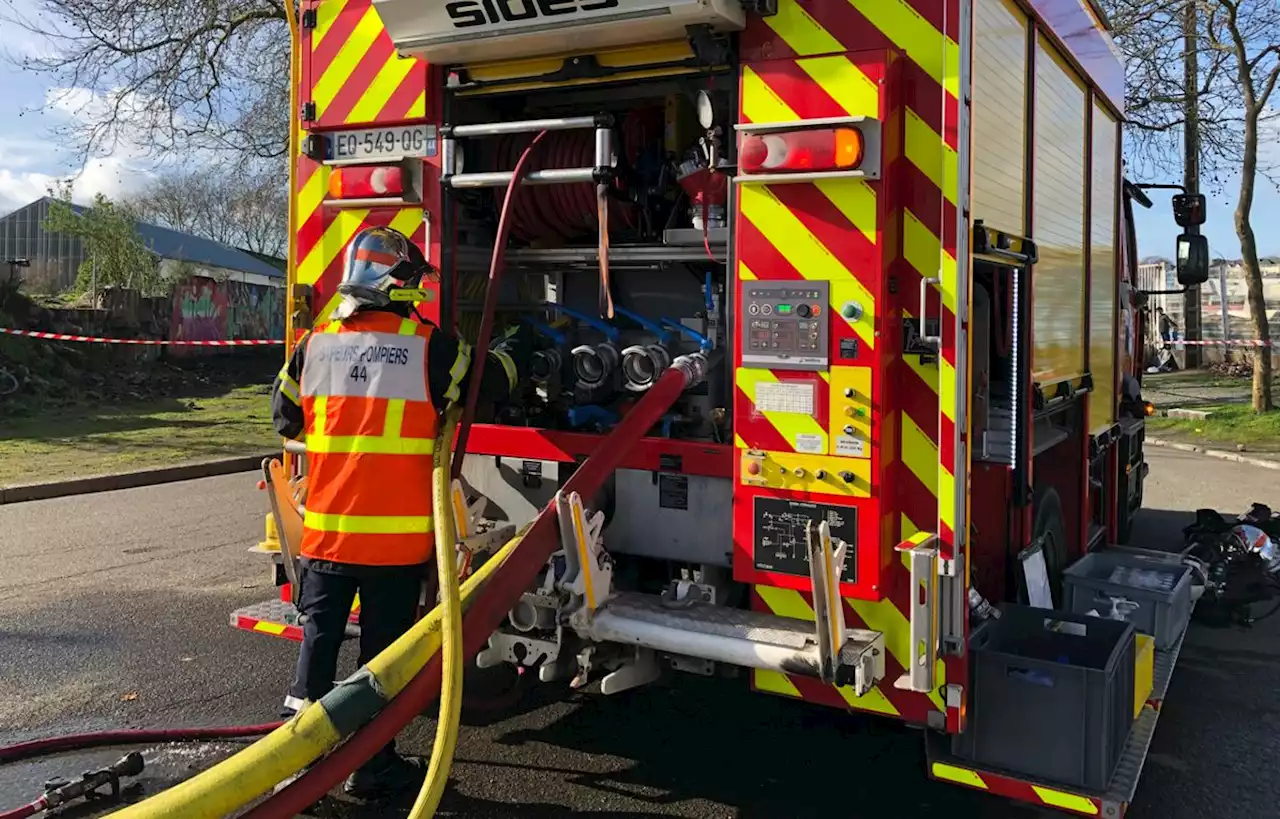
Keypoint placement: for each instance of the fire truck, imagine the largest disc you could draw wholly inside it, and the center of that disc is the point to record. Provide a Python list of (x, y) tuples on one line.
[(892, 244)]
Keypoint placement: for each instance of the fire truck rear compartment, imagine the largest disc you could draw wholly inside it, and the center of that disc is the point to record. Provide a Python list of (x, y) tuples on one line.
[(665, 543), (667, 280)]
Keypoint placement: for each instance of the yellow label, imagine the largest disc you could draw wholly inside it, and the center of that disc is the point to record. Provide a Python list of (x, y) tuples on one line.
[(850, 409)]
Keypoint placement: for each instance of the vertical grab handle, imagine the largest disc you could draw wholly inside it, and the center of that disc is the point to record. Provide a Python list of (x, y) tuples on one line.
[(921, 551), (933, 341)]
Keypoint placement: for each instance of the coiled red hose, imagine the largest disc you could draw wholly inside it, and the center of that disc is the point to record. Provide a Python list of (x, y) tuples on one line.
[(486, 612), (100, 739)]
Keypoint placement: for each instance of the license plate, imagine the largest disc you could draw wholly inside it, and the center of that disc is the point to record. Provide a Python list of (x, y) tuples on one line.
[(383, 143)]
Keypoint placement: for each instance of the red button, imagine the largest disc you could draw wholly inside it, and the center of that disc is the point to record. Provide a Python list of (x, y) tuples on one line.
[(753, 468), (817, 310)]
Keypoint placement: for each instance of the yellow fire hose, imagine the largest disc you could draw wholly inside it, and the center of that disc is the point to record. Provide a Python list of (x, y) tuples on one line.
[(451, 628), (320, 726)]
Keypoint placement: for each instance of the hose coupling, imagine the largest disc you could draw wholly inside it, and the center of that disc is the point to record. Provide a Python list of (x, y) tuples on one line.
[(694, 367)]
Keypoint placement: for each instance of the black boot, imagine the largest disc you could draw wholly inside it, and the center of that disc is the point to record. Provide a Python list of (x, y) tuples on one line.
[(386, 775)]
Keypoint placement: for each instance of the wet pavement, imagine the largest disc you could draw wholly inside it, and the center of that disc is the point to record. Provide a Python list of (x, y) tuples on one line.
[(113, 613)]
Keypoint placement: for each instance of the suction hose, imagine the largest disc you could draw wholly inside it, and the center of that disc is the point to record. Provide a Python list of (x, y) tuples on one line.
[(506, 576)]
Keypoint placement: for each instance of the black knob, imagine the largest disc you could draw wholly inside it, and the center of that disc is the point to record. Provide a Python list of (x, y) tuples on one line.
[(804, 310), (847, 477)]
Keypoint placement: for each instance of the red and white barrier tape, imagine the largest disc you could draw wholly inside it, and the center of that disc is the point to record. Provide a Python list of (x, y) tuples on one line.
[(1228, 343), (147, 342)]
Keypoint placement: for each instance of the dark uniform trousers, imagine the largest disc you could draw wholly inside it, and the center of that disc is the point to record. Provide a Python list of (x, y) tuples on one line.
[(388, 608)]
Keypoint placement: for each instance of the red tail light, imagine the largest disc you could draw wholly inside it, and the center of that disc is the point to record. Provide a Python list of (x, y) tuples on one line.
[(815, 149), (381, 182)]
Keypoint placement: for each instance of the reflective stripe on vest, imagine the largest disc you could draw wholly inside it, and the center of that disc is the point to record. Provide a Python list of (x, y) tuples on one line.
[(369, 524)]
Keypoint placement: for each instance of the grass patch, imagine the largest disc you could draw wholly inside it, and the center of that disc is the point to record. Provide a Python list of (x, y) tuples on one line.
[(1229, 426), (82, 440)]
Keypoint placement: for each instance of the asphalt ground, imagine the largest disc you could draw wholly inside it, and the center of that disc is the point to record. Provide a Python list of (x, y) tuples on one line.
[(113, 613)]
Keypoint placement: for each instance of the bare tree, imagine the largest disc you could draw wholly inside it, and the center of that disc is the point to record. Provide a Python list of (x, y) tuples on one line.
[(1238, 56), (1249, 32), (207, 74), (1150, 34), (243, 206)]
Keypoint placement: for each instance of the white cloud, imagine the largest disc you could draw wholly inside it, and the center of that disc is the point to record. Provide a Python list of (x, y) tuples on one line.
[(18, 189), (32, 162)]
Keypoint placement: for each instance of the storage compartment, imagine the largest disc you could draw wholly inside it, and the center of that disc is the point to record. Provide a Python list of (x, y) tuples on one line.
[(1052, 696), (1161, 591)]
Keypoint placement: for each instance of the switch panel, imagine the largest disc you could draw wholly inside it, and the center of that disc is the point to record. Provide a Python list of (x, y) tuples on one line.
[(785, 324), (794, 472), (850, 416)]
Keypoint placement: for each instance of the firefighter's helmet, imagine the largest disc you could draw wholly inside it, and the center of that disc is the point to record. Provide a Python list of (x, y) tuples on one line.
[(382, 266)]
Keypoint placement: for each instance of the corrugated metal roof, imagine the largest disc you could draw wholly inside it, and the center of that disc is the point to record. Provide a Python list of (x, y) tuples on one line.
[(183, 247)]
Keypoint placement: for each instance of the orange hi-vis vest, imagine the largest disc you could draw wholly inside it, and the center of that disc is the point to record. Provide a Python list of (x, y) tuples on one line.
[(370, 434)]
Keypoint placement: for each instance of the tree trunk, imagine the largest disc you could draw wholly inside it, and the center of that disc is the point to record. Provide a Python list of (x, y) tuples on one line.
[(1262, 399)]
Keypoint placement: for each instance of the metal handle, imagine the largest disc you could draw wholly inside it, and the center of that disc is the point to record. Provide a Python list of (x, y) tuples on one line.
[(600, 173), (922, 554), (528, 126), (932, 341), (501, 179)]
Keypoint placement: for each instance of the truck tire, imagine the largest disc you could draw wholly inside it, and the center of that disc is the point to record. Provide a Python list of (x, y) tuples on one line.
[(1049, 524)]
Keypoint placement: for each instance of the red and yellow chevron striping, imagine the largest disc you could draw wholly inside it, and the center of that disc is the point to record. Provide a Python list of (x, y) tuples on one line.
[(351, 72), (1017, 789), (898, 62)]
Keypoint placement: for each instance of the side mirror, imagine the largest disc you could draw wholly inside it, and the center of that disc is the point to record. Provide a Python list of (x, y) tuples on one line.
[(1189, 211), (1193, 260)]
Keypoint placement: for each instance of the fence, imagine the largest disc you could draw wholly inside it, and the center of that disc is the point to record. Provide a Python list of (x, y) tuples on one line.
[(1225, 318)]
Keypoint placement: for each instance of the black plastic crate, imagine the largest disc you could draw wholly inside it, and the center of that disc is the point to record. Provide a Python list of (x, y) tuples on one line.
[(1163, 610), (1052, 696)]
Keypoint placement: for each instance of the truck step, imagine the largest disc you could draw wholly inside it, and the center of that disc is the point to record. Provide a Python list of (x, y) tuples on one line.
[(277, 618), (945, 766), (735, 636)]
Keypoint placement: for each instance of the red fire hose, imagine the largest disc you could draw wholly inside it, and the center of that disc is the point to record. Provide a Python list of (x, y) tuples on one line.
[(496, 268), (99, 739), (29, 809), (489, 609)]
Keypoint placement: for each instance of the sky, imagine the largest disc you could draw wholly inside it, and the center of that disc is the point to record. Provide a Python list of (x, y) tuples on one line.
[(31, 160)]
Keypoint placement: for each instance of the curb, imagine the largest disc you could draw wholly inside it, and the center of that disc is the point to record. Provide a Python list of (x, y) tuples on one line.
[(1214, 453), (131, 480)]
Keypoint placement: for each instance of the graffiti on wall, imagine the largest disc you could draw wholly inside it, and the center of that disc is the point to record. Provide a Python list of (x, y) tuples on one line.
[(199, 311), (209, 310), (254, 311)]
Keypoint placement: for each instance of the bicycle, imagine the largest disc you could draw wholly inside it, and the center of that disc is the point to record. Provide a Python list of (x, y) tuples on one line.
[(9, 383)]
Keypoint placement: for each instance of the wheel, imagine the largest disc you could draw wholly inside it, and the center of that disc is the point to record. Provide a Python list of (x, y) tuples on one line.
[(1050, 530)]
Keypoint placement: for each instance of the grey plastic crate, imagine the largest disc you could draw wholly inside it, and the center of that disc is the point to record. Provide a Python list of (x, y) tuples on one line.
[(1052, 696), (1163, 613)]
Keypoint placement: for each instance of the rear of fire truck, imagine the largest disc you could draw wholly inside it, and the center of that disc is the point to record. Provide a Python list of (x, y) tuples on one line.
[(896, 234)]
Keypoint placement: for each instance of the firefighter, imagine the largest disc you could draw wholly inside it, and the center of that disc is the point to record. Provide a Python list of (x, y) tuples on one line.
[(369, 391)]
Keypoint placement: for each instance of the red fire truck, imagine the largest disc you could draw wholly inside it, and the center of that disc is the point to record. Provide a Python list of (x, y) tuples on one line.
[(896, 239)]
